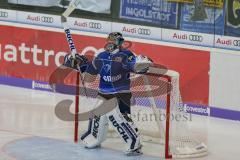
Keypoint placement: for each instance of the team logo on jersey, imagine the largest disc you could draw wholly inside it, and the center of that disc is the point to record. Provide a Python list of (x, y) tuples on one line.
[(130, 58), (107, 67)]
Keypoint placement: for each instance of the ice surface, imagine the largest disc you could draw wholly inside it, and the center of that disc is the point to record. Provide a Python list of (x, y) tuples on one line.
[(29, 130)]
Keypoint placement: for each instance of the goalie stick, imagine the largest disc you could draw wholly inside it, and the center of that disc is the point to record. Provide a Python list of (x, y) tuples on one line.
[(73, 4)]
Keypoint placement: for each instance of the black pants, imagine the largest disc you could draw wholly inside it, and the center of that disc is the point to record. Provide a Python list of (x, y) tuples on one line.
[(124, 100)]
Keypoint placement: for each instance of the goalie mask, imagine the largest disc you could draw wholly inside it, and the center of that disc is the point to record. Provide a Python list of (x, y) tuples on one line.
[(114, 41)]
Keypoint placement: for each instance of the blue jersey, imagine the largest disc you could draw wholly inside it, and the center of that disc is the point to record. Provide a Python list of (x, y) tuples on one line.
[(114, 70)]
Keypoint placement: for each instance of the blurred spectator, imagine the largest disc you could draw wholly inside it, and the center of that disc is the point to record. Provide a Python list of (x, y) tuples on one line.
[(44, 3), (98, 6)]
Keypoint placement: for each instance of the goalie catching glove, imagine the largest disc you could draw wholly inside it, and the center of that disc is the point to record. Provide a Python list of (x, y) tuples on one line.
[(142, 64), (75, 62)]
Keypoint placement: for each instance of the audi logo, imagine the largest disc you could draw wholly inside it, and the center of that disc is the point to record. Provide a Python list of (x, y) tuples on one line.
[(236, 43), (195, 38), (144, 31), (3, 14), (94, 25), (47, 19)]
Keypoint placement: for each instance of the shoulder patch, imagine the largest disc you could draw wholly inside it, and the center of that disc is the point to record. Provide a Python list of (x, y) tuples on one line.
[(130, 58)]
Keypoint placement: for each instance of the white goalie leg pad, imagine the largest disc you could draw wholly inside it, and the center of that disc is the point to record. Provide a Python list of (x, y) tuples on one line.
[(125, 129), (97, 132), (97, 129)]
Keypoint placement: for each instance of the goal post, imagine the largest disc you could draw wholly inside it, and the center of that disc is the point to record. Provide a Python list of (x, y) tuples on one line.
[(158, 112), (76, 107)]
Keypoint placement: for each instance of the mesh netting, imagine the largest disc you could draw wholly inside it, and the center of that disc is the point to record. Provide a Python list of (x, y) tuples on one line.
[(153, 94)]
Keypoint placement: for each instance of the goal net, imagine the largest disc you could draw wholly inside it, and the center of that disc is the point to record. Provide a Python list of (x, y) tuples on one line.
[(157, 111)]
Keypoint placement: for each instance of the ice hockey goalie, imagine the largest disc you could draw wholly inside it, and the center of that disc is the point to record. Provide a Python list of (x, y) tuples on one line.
[(114, 66)]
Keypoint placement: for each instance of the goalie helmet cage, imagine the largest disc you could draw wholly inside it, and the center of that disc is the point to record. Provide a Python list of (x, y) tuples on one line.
[(157, 93)]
